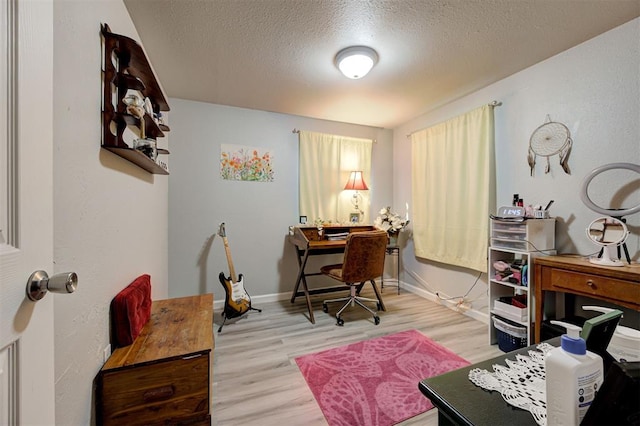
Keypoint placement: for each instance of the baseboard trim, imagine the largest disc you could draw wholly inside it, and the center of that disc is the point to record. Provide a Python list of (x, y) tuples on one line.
[(470, 312)]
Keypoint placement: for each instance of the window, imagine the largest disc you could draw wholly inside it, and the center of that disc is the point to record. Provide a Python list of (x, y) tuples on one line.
[(325, 164)]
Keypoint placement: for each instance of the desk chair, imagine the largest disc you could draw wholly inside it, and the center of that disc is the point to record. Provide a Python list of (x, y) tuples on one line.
[(363, 261)]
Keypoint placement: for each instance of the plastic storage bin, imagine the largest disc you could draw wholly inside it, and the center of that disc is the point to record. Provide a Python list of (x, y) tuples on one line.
[(510, 336), (529, 235)]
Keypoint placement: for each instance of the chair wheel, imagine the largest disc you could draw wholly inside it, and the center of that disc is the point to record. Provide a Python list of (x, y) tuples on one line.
[(325, 308), (340, 322), (376, 320)]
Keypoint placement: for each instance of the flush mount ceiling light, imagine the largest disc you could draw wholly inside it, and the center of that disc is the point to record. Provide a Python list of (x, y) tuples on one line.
[(356, 61)]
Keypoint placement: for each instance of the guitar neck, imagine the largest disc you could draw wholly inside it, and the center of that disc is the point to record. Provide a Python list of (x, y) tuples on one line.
[(232, 271)]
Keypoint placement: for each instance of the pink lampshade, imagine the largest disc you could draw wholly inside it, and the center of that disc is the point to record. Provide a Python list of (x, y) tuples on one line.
[(356, 182)]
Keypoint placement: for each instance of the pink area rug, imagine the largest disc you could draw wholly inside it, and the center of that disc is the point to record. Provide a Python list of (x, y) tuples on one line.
[(375, 382)]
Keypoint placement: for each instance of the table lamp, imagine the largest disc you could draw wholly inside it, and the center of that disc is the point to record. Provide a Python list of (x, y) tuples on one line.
[(356, 183)]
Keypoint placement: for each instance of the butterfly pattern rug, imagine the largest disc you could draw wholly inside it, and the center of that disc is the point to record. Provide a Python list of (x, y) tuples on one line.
[(375, 382)]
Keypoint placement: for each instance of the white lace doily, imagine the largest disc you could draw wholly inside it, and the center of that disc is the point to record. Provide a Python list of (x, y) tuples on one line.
[(521, 383)]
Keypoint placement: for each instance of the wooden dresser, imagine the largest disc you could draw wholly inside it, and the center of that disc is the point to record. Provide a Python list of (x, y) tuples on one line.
[(576, 275), (164, 377)]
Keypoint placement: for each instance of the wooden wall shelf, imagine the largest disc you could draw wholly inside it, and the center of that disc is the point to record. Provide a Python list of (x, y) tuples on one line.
[(125, 68), (138, 158)]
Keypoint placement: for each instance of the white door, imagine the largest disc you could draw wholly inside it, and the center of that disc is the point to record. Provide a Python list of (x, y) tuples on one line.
[(26, 219)]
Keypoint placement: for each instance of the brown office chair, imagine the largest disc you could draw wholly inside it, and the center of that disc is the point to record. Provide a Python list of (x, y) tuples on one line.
[(363, 261)]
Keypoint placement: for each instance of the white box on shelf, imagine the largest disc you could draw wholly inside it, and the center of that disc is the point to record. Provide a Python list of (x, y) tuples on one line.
[(511, 312)]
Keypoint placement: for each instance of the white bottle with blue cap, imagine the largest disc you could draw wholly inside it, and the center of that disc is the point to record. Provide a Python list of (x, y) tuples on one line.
[(573, 376)]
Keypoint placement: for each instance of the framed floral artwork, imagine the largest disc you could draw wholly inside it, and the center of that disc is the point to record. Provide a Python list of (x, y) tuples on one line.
[(238, 162)]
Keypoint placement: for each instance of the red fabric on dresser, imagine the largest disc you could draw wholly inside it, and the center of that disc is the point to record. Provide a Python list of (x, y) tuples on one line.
[(130, 310)]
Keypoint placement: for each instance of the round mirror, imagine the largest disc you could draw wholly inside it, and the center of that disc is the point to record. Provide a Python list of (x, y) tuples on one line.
[(608, 232)]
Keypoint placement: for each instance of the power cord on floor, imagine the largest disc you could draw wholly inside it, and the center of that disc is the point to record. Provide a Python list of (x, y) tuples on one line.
[(461, 300)]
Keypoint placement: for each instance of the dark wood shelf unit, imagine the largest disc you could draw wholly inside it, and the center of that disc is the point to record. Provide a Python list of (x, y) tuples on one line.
[(138, 158), (126, 67)]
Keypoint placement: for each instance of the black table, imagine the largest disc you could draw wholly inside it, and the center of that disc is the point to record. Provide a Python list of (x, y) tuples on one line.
[(460, 402)]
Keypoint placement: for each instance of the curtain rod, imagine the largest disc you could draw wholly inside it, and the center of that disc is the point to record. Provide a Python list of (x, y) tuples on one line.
[(491, 104), (372, 140)]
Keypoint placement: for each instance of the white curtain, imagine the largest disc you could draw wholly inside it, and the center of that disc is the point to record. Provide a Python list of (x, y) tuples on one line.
[(325, 163), (452, 185)]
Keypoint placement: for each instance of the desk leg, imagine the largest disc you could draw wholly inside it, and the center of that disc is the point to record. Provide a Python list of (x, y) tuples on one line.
[(308, 297), (375, 289), (444, 420), (398, 269), (539, 302), (302, 263)]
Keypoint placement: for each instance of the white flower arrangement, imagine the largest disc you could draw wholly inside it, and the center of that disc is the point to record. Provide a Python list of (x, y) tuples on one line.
[(390, 221)]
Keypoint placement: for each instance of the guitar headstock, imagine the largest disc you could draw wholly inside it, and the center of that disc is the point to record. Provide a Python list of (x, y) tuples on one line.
[(221, 232)]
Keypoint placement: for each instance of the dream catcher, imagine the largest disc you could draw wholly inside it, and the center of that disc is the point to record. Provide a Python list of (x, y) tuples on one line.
[(551, 138)]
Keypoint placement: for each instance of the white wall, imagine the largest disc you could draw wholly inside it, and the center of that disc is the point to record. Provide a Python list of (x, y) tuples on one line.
[(256, 214), (594, 89), (110, 217)]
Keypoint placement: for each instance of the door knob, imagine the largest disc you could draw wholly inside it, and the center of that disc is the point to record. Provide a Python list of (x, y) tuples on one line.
[(39, 283)]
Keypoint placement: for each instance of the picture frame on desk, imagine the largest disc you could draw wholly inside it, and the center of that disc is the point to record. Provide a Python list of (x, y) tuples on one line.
[(354, 217), (303, 220)]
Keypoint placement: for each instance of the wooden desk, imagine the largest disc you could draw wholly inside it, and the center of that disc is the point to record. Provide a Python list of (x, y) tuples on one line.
[(308, 242), (575, 275), (164, 376)]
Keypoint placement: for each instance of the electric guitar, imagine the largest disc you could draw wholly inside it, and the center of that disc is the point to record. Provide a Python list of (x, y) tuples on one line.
[(237, 300)]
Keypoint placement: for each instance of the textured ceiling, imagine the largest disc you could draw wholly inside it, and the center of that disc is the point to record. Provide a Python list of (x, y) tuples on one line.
[(277, 55)]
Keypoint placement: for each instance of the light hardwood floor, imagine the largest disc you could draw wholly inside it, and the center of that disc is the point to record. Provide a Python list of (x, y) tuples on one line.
[(257, 382)]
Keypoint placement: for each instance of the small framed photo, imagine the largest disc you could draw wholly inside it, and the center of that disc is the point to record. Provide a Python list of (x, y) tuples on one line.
[(303, 219), (354, 217)]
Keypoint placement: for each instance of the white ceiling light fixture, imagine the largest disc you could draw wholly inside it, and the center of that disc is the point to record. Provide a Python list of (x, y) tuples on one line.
[(356, 61)]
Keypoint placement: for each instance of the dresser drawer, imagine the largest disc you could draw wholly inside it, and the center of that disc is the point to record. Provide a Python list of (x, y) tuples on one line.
[(175, 389), (596, 286)]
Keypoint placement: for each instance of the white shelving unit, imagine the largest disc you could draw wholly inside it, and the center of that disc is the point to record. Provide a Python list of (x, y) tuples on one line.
[(516, 244)]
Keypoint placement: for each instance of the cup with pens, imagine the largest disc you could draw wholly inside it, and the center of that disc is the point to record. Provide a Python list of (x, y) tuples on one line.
[(541, 213)]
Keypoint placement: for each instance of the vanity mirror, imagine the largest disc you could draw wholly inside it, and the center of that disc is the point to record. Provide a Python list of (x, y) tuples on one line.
[(610, 233)]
